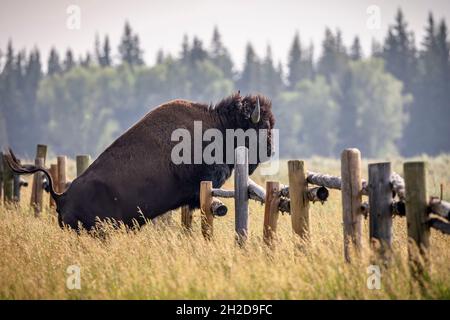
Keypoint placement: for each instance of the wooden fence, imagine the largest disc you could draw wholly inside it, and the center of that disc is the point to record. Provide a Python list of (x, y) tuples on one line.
[(388, 195), (11, 184)]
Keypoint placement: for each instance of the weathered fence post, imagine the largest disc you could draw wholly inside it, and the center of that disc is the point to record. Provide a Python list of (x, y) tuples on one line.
[(8, 182), (298, 187), (380, 201), (62, 173), (271, 211), (17, 186), (83, 162), (1, 178), (241, 194), (41, 153), (351, 189), (205, 208), (186, 217), (38, 191), (54, 174), (417, 213)]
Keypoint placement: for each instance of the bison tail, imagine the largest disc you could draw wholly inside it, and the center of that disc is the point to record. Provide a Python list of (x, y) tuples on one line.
[(18, 168)]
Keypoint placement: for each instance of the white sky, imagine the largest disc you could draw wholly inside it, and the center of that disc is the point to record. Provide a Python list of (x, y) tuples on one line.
[(162, 23)]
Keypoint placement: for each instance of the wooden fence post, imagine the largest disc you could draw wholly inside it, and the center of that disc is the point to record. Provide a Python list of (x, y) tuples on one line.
[(241, 194), (298, 187), (380, 213), (271, 211), (38, 191), (54, 174), (417, 212), (205, 208), (41, 153), (83, 162), (8, 182), (351, 190), (17, 186), (186, 218), (62, 173), (1, 178)]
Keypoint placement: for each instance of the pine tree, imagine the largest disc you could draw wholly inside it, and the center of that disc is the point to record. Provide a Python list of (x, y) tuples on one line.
[(138, 53), (53, 65), (97, 51), (399, 52), (103, 53), (106, 57), (33, 76), (356, 50), (250, 77), (86, 62), (197, 52), (443, 89), (334, 60), (129, 47), (185, 49), (271, 82), (220, 56), (294, 62), (69, 61)]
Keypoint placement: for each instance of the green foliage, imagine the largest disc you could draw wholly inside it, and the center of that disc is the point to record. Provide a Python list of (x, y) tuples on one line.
[(379, 107), (397, 99), (308, 115)]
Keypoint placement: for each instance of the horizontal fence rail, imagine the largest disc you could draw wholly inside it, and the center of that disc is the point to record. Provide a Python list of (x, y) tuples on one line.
[(389, 195)]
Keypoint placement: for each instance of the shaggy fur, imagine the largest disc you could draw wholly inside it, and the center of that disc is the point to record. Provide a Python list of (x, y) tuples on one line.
[(134, 179)]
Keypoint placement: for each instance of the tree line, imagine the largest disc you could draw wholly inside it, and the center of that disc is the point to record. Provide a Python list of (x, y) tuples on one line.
[(395, 99)]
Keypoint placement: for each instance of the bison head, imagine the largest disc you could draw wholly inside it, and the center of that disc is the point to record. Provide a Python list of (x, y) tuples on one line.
[(249, 112)]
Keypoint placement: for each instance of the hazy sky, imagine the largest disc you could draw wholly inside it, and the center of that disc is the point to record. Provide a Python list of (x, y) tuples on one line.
[(162, 23)]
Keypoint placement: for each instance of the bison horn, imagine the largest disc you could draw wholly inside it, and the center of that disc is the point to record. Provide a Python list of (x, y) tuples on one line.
[(256, 114)]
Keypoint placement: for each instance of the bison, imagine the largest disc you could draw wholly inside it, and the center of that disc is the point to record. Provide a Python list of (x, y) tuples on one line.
[(134, 179)]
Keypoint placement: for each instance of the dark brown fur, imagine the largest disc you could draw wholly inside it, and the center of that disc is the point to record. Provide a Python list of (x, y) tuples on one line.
[(134, 178)]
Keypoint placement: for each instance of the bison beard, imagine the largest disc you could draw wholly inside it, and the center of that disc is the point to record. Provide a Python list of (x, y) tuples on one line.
[(134, 179)]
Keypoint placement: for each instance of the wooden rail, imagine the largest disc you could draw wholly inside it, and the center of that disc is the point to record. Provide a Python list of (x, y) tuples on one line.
[(389, 195)]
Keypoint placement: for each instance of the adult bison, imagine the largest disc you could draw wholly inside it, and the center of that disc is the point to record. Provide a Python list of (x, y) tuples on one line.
[(135, 179)]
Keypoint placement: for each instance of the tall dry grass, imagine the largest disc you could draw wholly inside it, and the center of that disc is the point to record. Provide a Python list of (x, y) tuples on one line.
[(162, 262)]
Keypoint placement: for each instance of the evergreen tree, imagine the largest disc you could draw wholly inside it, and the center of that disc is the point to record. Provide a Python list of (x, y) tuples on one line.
[(219, 55), (86, 61), (294, 62), (35, 117), (356, 50), (185, 49), (53, 65), (129, 48), (106, 57), (69, 61), (198, 53), (33, 76), (334, 60), (97, 51), (250, 76), (428, 129), (103, 54), (271, 82), (399, 52)]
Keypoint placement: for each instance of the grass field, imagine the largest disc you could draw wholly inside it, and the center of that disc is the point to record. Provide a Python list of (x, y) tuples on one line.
[(162, 262)]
